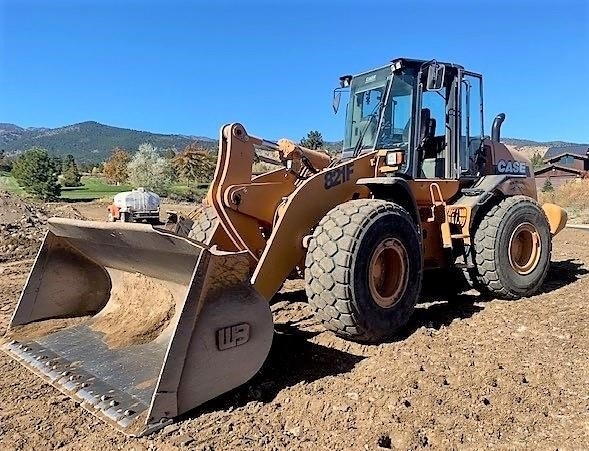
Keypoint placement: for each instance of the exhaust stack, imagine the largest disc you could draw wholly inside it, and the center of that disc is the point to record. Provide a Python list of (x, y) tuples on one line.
[(496, 130)]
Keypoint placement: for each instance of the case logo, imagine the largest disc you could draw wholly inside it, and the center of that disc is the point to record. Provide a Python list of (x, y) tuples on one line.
[(512, 167)]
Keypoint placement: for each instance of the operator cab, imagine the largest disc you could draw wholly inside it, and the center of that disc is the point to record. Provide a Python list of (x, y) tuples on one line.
[(421, 109)]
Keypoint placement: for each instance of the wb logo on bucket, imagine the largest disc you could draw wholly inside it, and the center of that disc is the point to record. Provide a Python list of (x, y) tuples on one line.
[(512, 167), (232, 336)]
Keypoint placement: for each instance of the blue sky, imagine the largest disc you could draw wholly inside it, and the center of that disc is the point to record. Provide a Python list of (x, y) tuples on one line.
[(190, 67)]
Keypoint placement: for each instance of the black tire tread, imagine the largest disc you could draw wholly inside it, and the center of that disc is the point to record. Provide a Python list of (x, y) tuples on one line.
[(328, 259), (486, 275)]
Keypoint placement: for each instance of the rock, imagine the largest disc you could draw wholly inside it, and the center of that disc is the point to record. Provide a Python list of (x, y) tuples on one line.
[(183, 440), (353, 396), (295, 431), (170, 429)]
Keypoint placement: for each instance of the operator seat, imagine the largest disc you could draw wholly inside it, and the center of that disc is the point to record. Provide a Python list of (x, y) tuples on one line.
[(431, 165)]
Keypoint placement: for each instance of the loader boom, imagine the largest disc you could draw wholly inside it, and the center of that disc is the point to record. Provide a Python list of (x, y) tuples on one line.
[(281, 202)]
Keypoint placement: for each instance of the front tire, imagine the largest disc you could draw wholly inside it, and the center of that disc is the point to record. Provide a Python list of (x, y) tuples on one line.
[(364, 268), (512, 249), (204, 225)]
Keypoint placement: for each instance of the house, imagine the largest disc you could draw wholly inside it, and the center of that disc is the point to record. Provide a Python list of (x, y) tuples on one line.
[(563, 164)]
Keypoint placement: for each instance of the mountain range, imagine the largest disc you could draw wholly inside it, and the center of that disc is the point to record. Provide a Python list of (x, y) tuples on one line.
[(89, 141), (92, 142)]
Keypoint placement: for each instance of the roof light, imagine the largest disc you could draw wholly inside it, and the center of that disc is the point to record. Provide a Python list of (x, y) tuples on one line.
[(397, 64), (345, 81)]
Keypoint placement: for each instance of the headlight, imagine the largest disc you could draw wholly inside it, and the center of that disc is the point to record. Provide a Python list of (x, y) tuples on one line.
[(394, 158)]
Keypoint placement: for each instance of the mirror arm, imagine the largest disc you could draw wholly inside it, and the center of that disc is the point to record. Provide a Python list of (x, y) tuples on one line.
[(337, 94)]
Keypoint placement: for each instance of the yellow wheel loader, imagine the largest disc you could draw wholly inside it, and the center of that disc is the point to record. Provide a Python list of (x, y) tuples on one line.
[(143, 323)]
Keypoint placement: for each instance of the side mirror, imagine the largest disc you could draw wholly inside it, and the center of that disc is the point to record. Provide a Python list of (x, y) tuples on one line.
[(435, 77), (337, 96)]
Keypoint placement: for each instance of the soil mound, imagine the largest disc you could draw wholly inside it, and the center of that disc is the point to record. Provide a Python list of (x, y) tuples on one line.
[(23, 224), (22, 227), (139, 310)]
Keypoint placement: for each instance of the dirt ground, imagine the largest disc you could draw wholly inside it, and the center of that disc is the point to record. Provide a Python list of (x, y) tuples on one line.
[(466, 374)]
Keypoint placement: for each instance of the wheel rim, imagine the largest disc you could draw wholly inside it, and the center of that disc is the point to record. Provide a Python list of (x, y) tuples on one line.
[(387, 272), (524, 248)]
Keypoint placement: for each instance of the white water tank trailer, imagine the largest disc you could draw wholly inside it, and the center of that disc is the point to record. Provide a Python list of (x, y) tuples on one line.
[(135, 206)]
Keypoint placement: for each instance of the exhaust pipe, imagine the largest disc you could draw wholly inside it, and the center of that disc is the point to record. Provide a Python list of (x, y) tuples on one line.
[(496, 130)]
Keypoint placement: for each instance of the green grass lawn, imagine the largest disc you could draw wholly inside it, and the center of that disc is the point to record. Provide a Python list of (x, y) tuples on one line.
[(93, 188), (8, 183)]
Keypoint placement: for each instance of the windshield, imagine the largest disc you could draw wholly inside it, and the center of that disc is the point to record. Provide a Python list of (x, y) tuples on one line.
[(367, 94), (368, 101)]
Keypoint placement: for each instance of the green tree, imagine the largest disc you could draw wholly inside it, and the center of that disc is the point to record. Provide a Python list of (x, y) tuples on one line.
[(148, 169), (36, 173), (547, 187), (5, 162), (85, 166), (537, 160), (57, 162), (70, 172), (314, 140)]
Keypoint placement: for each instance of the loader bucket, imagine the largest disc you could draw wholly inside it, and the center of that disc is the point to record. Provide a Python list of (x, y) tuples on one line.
[(136, 323)]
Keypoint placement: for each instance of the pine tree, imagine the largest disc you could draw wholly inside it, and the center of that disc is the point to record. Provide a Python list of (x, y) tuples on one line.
[(314, 140), (547, 187), (36, 173), (71, 174), (537, 160)]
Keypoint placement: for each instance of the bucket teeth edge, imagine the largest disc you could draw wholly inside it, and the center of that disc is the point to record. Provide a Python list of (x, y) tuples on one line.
[(121, 410)]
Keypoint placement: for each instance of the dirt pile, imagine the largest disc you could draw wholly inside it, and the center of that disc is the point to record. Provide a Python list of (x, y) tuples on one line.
[(65, 211), (23, 224), (140, 309), (38, 329), (22, 227)]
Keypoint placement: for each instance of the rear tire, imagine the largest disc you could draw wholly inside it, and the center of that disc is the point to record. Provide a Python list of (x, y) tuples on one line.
[(512, 249), (364, 268), (124, 217)]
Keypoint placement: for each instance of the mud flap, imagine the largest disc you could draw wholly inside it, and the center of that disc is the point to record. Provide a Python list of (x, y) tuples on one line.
[(137, 323)]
